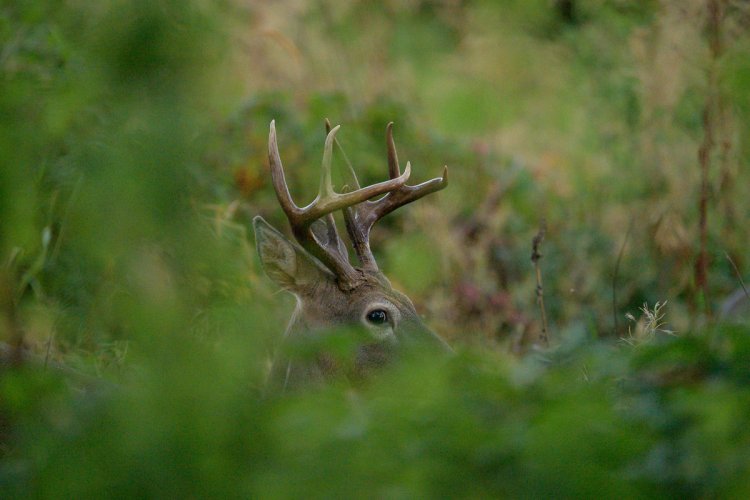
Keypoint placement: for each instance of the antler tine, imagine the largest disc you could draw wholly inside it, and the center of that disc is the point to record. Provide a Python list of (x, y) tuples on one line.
[(277, 176), (360, 219), (326, 184), (407, 194), (393, 168), (329, 201)]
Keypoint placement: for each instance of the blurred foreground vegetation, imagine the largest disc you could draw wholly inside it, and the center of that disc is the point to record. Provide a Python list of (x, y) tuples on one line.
[(133, 144)]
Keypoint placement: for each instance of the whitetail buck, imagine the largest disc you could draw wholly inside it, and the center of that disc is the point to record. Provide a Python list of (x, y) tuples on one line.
[(332, 293)]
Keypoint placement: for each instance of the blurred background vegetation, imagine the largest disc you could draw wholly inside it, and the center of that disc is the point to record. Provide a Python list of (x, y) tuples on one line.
[(133, 142)]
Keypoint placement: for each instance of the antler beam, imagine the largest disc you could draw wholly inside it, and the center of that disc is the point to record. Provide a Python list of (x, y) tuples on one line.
[(360, 218)]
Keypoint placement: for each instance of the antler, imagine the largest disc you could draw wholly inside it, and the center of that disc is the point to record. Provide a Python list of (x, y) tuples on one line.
[(325, 244), (360, 218)]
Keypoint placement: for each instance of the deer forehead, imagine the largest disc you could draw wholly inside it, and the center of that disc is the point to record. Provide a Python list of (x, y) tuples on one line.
[(332, 303)]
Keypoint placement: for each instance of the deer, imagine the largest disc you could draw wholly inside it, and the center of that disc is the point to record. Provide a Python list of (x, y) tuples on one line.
[(331, 293)]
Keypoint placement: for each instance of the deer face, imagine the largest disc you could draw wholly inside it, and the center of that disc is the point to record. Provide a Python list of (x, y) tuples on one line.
[(330, 292)]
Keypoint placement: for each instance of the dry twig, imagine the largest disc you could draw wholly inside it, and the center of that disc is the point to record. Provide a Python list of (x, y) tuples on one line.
[(535, 257)]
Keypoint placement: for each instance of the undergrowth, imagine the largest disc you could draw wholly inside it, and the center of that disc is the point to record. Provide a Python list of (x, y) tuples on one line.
[(133, 146)]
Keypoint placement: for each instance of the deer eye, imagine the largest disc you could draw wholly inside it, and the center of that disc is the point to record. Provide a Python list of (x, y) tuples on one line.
[(377, 316)]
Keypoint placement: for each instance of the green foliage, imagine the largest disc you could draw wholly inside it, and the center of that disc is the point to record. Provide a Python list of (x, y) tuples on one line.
[(585, 419), (133, 139)]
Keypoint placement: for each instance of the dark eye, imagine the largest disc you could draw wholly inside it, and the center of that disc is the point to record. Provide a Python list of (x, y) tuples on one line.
[(377, 316)]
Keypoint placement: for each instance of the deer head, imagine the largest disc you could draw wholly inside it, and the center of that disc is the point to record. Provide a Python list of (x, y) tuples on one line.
[(330, 291)]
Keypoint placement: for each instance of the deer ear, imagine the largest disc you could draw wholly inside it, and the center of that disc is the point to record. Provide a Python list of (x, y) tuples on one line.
[(286, 263)]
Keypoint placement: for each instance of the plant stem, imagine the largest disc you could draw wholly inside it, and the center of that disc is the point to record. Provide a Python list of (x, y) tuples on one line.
[(739, 275), (535, 257), (715, 16), (616, 273)]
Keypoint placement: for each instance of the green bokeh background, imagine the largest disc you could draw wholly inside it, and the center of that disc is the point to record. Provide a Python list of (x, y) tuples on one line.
[(133, 142)]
